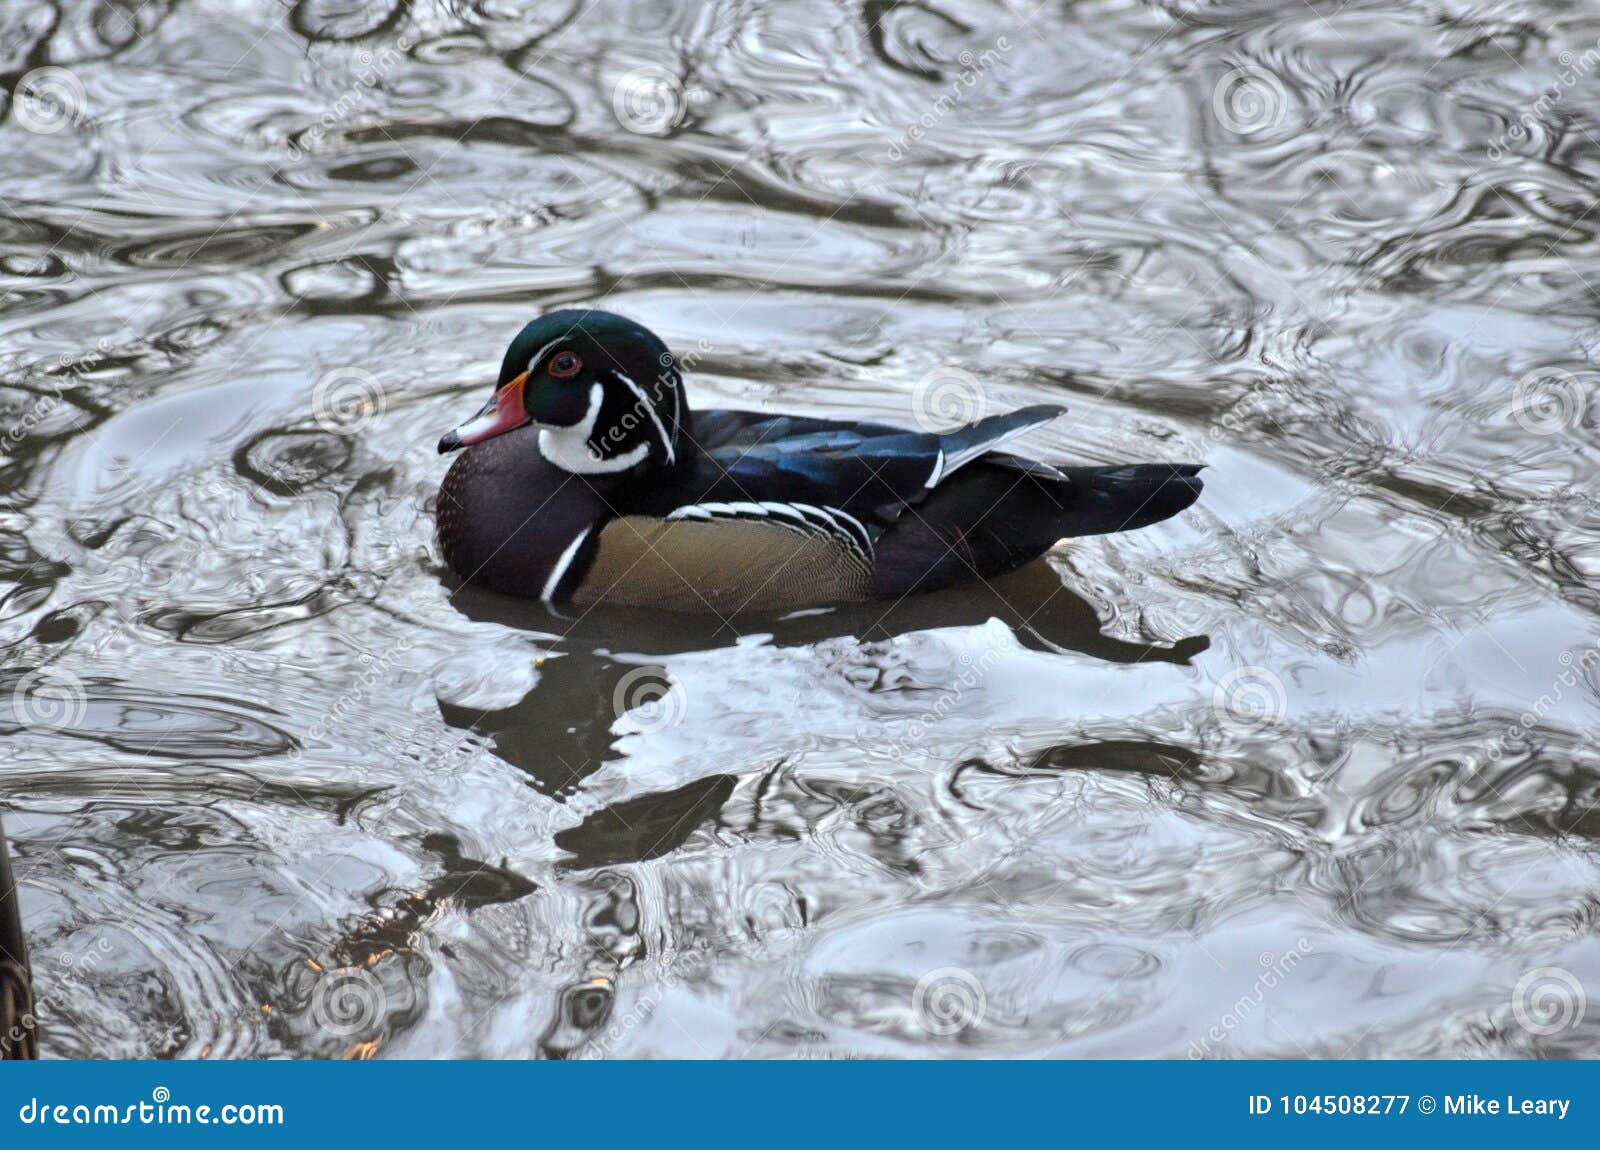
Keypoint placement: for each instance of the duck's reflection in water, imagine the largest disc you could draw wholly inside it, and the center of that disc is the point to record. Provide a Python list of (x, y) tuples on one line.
[(567, 728), (1031, 601), (563, 730)]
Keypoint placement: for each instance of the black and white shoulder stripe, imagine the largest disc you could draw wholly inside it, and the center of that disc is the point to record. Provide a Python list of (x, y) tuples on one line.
[(560, 582), (806, 518)]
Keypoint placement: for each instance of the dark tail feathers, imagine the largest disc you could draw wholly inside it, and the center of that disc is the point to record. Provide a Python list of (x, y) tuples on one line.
[(1107, 499)]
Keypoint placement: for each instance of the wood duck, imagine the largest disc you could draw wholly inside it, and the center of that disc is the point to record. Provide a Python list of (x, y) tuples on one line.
[(587, 479)]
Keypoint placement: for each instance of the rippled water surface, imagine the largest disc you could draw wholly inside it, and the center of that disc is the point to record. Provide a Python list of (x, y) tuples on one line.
[(1308, 770)]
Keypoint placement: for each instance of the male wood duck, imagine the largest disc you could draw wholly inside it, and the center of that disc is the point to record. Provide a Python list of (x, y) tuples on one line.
[(587, 479)]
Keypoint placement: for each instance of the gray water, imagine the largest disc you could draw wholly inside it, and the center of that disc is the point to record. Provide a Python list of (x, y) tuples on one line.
[(1307, 771)]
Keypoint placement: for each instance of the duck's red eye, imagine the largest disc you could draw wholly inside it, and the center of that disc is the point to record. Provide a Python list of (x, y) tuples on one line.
[(565, 365)]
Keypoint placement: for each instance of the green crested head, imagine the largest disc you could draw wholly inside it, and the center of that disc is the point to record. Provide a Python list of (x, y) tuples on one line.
[(604, 391)]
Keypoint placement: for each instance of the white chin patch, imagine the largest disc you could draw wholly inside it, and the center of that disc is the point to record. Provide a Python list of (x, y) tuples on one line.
[(568, 447)]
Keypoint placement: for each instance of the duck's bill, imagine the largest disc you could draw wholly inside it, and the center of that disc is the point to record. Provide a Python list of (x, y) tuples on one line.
[(505, 412)]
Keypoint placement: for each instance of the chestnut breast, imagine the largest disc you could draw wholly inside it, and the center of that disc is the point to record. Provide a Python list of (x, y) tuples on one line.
[(506, 516)]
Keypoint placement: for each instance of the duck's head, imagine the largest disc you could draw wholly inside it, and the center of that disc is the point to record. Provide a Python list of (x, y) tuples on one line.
[(604, 392)]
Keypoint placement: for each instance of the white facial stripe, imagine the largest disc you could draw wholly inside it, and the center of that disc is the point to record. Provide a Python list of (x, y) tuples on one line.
[(560, 569), (540, 354), (677, 405), (649, 409), (568, 447)]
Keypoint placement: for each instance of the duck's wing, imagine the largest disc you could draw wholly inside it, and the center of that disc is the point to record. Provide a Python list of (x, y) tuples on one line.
[(779, 510), (861, 472)]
